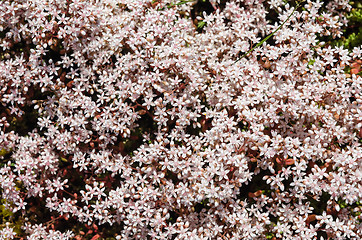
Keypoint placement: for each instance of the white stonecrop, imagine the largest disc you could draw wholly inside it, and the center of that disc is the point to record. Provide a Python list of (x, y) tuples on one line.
[(121, 117)]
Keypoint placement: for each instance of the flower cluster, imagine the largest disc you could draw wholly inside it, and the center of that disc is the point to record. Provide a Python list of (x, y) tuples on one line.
[(144, 119)]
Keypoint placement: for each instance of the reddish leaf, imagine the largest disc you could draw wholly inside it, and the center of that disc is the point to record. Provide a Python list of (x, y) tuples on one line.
[(279, 161), (289, 161), (95, 237), (258, 193)]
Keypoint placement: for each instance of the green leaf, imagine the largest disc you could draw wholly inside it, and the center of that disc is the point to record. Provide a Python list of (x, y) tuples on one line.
[(201, 24), (311, 62), (3, 152)]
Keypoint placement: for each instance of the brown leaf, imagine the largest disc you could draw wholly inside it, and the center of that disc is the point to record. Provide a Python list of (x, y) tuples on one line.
[(311, 218), (258, 193), (267, 64), (142, 112), (70, 84)]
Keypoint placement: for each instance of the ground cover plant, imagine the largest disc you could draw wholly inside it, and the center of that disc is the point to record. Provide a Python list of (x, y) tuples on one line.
[(153, 119)]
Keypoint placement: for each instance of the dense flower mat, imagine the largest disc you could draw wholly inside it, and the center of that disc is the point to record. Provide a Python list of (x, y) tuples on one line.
[(140, 119)]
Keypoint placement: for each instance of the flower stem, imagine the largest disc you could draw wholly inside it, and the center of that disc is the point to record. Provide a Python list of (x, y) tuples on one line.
[(270, 35)]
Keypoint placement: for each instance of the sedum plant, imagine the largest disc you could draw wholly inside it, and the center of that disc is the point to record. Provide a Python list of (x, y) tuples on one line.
[(129, 119), (352, 35)]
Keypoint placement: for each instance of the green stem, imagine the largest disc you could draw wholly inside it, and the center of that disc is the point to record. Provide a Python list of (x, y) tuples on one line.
[(270, 35), (176, 4)]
